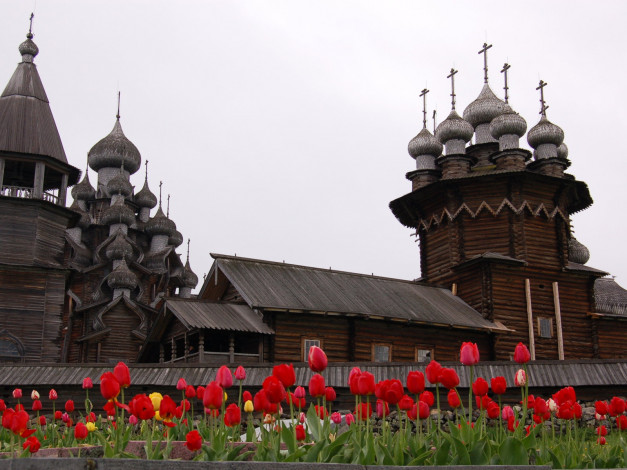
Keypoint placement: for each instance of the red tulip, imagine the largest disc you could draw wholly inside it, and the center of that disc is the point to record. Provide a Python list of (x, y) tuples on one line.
[(317, 359), (141, 407), (69, 406), (3, 406), (601, 408), (449, 378), (601, 431), (52, 395), (181, 384), (483, 402), (469, 354), (621, 422), (427, 397), (521, 354), (493, 410), (32, 444), (433, 372), (601, 441), (58, 415), (423, 410), (240, 373), (540, 407), (365, 384), (299, 392), (232, 415), (193, 441), (406, 403), (167, 408), (122, 374), (80, 431), (109, 386), (19, 423), (213, 396), (453, 399), (246, 396), (285, 374), (321, 411), (17, 393), (300, 432), (7, 417), (200, 392), (363, 411), (382, 408), (415, 382), (275, 391), (37, 405), (617, 406), (190, 392), (87, 383), (480, 387), (499, 385), (329, 393), (224, 377), (316, 386), (336, 417)]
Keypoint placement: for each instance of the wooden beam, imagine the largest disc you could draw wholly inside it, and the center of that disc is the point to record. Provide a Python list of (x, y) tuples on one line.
[(558, 321), (38, 183), (532, 344), (1, 173)]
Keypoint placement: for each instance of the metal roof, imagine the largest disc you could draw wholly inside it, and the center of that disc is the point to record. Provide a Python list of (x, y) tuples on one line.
[(26, 121), (270, 285), (551, 374), (217, 316)]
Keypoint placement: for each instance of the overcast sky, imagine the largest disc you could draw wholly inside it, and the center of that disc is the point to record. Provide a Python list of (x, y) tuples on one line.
[(280, 128)]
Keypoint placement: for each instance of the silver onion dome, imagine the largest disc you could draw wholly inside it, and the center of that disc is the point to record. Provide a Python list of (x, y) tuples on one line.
[(83, 191), (145, 197), (120, 185), (160, 225), (454, 127), (562, 151), (114, 151), (189, 278), (28, 49), (176, 239), (118, 213), (122, 277), (577, 252), (545, 132), (485, 108), (509, 123), (424, 144), (85, 221), (119, 248)]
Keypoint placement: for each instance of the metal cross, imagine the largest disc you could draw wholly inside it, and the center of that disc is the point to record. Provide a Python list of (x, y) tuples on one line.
[(30, 28), (118, 115), (146, 163), (423, 95), (484, 51), (452, 77), (506, 67), (188, 250), (167, 214), (160, 184), (435, 112), (543, 106)]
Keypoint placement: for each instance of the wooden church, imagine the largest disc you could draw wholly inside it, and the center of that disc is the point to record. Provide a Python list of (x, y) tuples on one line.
[(101, 281)]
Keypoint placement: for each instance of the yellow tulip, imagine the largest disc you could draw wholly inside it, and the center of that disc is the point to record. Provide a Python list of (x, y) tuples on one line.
[(156, 398), (90, 426), (248, 406)]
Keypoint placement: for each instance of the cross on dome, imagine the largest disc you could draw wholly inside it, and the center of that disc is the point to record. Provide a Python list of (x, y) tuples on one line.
[(484, 51), (423, 95), (543, 106), (506, 67), (452, 77)]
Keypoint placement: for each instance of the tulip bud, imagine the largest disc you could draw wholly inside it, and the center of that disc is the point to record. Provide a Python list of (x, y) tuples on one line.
[(336, 417), (301, 418), (132, 419), (34, 395), (240, 373), (181, 384), (52, 395), (17, 393), (349, 418), (300, 392), (65, 417), (248, 406), (520, 380), (317, 359), (507, 413), (87, 383), (552, 405)]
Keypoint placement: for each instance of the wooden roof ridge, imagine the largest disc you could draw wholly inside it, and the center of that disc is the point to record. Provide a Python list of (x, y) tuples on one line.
[(218, 256)]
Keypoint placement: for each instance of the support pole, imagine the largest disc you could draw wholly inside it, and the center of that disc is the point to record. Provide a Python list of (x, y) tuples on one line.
[(532, 344), (558, 321)]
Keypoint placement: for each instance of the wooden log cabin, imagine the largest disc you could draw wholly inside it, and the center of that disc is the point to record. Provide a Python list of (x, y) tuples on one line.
[(101, 281)]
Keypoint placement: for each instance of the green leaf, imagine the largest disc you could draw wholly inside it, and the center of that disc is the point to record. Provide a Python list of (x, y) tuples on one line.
[(313, 423), (442, 454), (314, 451), (513, 452), (478, 455)]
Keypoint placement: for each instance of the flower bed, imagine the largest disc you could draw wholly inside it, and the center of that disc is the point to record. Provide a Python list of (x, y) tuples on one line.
[(393, 422)]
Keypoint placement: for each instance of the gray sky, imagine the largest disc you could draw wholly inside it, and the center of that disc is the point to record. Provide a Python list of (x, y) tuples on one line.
[(280, 128)]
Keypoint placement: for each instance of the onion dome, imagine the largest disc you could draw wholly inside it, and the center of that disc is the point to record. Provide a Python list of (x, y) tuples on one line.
[(83, 191), (176, 239), (160, 225), (114, 151), (119, 248), (118, 213), (424, 144), (85, 221), (28, 49), (509, 123), (562, 151), (545, 132), (145, 197), (122, 278), (119, 185), (454, 127), (577, 252), (189, 278), (485, 108)]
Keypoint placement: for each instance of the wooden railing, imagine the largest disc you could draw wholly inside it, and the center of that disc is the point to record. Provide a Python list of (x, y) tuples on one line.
[(218, 358), (26, 192)]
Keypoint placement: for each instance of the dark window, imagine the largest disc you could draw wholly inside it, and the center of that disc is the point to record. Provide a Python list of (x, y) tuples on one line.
[(381, 353), (307, 344), (545, 327)]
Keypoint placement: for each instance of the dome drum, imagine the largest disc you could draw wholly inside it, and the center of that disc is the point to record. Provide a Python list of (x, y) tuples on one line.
[(483, 135), (455, 147), (454, 166), (421, 178), (425, 162), (549, 166), (514, 159)]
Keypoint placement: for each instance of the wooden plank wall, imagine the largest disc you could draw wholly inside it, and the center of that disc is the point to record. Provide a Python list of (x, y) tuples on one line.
[(120, 344), (612, 334)]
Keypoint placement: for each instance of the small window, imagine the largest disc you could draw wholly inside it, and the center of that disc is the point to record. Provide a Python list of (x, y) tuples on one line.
[(307, 344), (423, 355), (381, 353), (545, 327)]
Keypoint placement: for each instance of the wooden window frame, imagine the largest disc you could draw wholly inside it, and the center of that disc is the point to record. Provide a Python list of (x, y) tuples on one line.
[(550, 320), (302, 345), (374, 345), (421, 348)]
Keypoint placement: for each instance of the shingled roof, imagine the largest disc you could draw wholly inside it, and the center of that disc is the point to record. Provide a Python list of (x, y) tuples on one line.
[(609, 297), (281, 286)]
